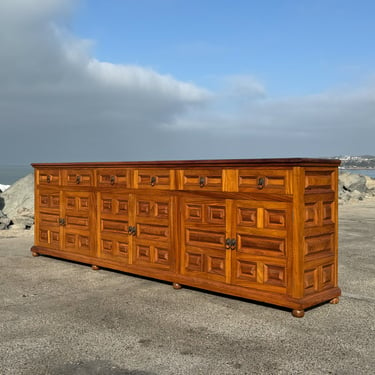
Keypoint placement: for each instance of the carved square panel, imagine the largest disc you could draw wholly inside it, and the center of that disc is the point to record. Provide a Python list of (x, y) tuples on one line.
[(43, 235), (274, 275), (194, 213), (162, 210), (123, 207), (216, 214), (70, 240), (55, 201), (328, 212), (161, 255), (311, 214), (123, 248), (275, 219), (246, 270), (311, 280), (144, 208), (216, 265), (327, 275), (144, 253), (55, 237), (83, 242), (71, 202), (247, 216), (44, 201), (107, 246), (83, 203), (107, 205), (194, 262)]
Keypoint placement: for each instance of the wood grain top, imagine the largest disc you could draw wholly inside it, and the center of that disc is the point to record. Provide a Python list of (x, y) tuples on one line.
[(227, 163)]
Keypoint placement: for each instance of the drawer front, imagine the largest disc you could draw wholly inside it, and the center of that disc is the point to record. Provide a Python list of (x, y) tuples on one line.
[(116, 177), (202, 179), (48, 177), (263, 180), (78, 177), (154, 179)]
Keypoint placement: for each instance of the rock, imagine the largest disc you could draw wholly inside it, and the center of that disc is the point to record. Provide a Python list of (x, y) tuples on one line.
[(352, 181), (4, 221), (18, 202)]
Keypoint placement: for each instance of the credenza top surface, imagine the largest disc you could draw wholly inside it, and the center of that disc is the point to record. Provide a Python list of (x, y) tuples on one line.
[(223, 163)]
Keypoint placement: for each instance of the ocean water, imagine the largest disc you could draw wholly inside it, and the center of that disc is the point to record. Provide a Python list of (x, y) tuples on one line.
[(365, 172), (11, 173)]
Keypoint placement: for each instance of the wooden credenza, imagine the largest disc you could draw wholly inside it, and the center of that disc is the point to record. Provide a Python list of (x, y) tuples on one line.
[(262, 229)]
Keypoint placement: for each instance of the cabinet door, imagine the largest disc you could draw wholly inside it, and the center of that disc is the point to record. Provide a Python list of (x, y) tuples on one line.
[(113, 211), (47, 215), (204, 234), (259, 259), (78, 212), (153, 231)]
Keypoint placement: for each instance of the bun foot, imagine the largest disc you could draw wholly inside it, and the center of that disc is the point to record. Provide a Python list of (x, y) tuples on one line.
[(95, 268), (177, 286), (298, 313), (34, 254), (334, 301)]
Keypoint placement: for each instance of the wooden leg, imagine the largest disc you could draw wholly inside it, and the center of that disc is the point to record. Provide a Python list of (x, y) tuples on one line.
[(34, 254), (298, 313), (177, 286), (95, 267), (334, 301)]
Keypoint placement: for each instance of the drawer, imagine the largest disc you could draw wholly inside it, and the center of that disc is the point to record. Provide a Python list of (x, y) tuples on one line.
[(48, 177), (78, 177), (116, 177), (263, 180), (154, 179), (201, 179)]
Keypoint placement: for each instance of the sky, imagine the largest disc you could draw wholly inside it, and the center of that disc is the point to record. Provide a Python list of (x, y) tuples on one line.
[(119, 80)]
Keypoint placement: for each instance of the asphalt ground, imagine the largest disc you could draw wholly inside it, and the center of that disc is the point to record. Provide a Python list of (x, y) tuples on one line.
[(60, 317)]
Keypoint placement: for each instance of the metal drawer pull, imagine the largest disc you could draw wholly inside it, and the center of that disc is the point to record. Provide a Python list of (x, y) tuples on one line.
[(112, 180), (153, 181), (48, 179), (62, 221), (261, 182), (202, 181), (132, 230), (78, 179)]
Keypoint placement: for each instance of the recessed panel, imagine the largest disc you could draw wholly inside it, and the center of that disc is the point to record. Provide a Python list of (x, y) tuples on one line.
[(205, 238), (194, 262), (317, 181), (150, 231), (246, 270), (268, 246), (194, 213), (274, 219), (161, 256), (274, 275), (215, 214), (247, 217), (328, 210), (117, 226), (319, 245), (77, 221)]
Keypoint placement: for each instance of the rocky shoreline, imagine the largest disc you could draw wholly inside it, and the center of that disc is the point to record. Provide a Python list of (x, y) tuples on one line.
[(17, 201)]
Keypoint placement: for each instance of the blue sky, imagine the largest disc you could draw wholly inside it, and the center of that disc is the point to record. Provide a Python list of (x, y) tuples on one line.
[(292, 47), (86, 80)]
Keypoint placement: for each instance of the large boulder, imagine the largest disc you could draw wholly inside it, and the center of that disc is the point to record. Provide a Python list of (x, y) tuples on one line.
[(355, 187), (18, 203)]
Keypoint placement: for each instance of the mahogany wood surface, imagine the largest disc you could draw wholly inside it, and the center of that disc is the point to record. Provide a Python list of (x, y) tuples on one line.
[(262, 229)]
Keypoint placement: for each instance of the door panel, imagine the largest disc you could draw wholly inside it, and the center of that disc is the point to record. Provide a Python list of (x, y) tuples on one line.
[(204, 233), (78, 212), (153, 236), (260, 229), (47, 211), (114, 226)]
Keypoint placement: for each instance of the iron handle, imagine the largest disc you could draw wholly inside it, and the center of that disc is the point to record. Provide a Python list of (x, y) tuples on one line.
[(153, 181), (78, 179), (261, 182), (202, 181), (228, 242), (112, 180), (132, 230), (62, 221), (48, 179), (233, 244)]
